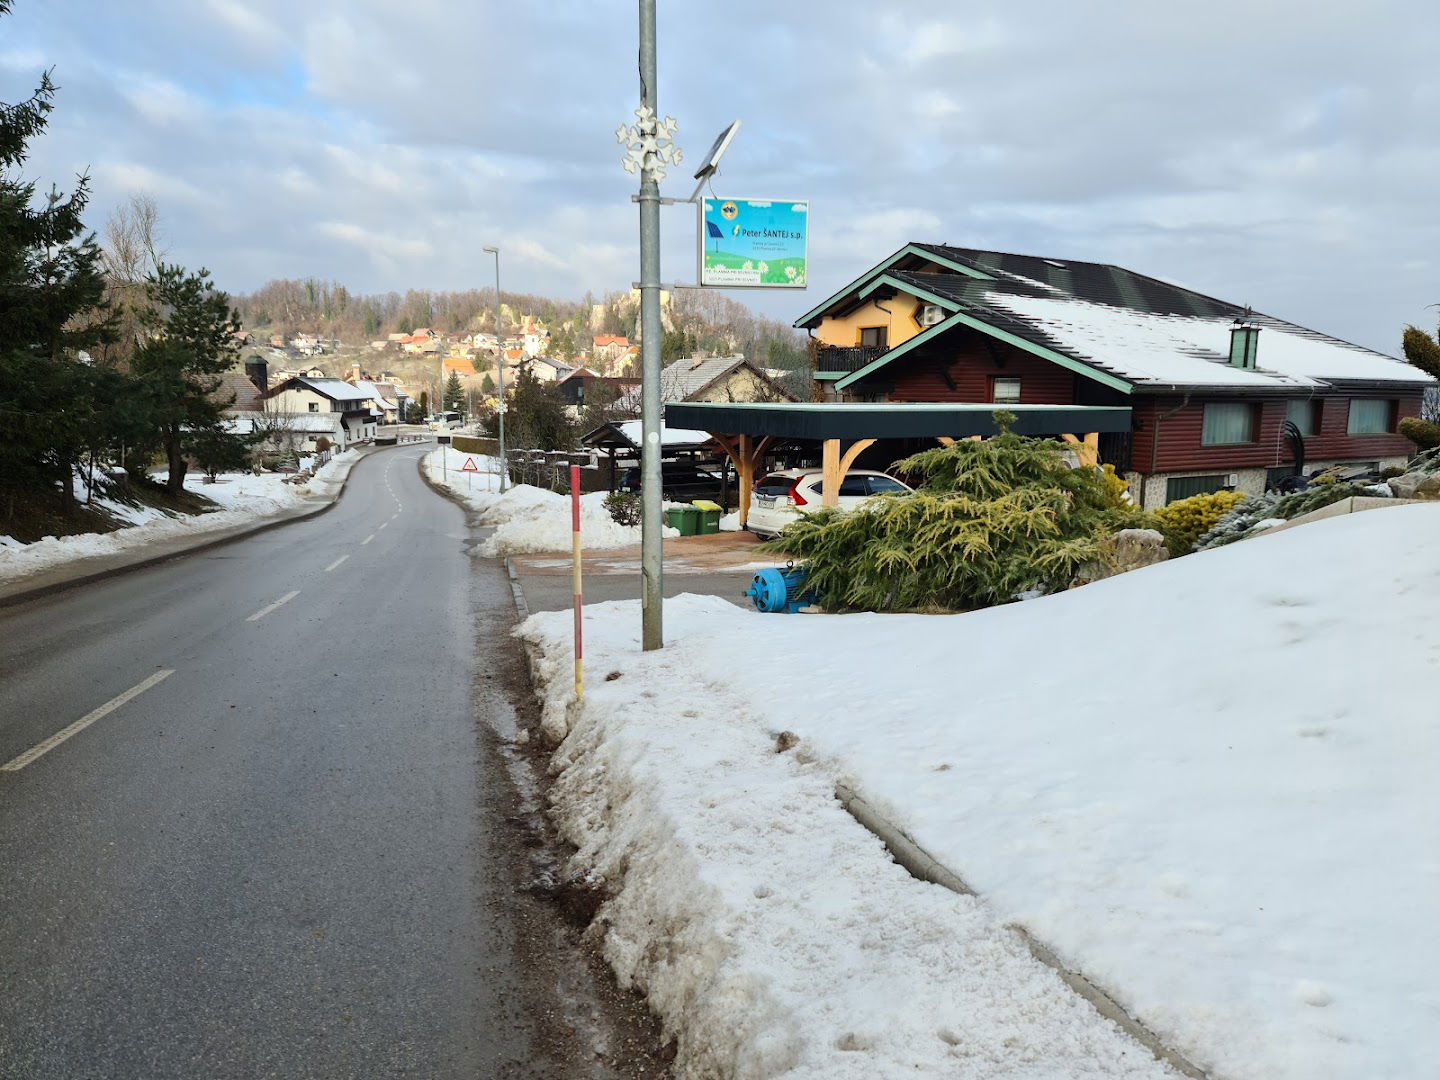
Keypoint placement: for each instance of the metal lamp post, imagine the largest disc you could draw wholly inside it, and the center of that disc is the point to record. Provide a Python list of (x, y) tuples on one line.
[(649, 147), (500, 367)]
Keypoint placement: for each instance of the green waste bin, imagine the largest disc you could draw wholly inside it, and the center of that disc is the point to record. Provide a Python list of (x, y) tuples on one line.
[(709, 516), (684, 518)]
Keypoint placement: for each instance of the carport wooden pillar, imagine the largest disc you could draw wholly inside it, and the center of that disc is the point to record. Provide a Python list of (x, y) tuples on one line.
[(747, 453), (834, 465), (1087, 448)]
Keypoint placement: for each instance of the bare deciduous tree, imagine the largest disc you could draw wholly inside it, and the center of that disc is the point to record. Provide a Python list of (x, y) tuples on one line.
[(131, 253)]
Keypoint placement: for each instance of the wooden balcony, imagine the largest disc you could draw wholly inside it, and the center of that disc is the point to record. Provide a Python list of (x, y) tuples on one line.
[(847, 359)]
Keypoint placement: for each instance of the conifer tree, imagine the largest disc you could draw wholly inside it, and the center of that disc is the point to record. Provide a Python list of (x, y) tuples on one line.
[(52, 315), (454, 399), (190, 341)]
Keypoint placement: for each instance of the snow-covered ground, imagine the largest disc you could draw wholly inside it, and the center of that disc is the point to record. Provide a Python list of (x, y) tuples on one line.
[(526, 518), (243, 498), (1208, 785)]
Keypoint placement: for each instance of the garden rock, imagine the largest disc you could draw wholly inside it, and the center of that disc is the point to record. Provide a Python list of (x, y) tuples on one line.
[(1416, 485), (1126, 550), (1428, 488)]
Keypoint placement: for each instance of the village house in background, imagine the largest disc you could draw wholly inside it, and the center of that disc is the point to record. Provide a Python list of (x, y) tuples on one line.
[(1220, 397), (710, 378), (329, 407)]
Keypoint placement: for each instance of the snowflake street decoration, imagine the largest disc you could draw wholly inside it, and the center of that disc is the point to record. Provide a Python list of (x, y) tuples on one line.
[(649, 144)]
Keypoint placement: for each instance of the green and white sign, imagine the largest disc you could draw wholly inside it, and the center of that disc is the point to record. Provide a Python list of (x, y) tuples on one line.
[(753, 243)]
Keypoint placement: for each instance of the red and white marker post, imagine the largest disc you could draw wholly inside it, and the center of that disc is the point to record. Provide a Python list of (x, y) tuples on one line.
[(579, 595)]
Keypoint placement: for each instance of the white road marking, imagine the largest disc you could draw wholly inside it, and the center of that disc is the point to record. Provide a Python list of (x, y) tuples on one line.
[(39, 749), (337, 562), (382, 525), (367, 539), (271, 607), (394, 515)]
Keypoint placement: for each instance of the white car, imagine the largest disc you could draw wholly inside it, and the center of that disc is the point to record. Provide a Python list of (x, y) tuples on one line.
[(780, 497)]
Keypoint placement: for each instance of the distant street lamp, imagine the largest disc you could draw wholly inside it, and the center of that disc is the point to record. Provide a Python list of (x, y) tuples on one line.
[(500, 367)]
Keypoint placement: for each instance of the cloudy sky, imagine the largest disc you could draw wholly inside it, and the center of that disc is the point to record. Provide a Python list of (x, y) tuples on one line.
[(1281, 154)]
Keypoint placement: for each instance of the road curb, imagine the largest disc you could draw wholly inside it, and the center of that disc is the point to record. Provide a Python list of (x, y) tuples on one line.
[(26, 595), (924, 866)]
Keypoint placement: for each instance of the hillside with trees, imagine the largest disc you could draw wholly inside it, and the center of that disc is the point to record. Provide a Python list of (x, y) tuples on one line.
[(693, 322)]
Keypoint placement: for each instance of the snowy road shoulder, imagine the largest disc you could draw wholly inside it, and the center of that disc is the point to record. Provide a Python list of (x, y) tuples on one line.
[(526, 519), (1207, 785), (769, 931), (243, 498)]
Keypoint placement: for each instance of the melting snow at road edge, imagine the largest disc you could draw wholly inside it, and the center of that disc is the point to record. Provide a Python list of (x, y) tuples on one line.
[(1226, 818)]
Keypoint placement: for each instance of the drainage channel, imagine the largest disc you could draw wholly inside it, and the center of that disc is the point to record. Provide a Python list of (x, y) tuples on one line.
[(925, 867)]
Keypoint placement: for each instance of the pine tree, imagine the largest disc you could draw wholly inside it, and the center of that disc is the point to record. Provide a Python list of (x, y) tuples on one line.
[(454, 393), (190, 330), (52, 315)]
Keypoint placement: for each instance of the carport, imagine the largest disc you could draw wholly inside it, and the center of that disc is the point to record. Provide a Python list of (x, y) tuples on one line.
[(747, 431)]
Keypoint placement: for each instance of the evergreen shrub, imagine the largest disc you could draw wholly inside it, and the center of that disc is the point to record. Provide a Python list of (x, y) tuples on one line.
[(624, 507), (1184, 521), (989, 520), (1240, 521)]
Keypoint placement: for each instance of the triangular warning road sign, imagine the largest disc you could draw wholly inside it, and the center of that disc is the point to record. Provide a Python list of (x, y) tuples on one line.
[(469, 465)]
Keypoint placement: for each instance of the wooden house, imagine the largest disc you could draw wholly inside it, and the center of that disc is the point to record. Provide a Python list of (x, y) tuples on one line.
[(1220, 396)]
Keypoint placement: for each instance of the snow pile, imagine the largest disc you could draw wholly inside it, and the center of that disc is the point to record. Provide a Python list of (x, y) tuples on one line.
[(771, 934), (527, 519), (1226, 818), (244, 498)]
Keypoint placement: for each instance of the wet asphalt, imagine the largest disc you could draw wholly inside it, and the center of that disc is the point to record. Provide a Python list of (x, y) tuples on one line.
[(301, 853)]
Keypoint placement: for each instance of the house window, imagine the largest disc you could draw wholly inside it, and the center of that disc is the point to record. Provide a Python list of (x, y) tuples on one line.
[(877, 336), (1305, 415), (1228, 423), (1371, 416), (314, 406), (1005, 391), (1182, 487)]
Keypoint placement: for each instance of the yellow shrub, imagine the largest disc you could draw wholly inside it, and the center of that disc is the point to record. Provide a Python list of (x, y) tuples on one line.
[(1186, 520), (1117, 489)]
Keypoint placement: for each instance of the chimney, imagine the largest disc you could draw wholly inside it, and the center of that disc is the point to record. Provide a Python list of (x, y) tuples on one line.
[(1244, 341), (257, 371)]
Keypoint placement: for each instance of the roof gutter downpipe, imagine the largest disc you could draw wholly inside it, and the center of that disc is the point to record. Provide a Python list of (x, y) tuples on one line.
[(1155, 440)]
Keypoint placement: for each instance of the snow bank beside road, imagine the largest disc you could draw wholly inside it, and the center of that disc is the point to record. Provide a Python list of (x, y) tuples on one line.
[(772, 934), (1208, 785), (244, 498), (527, 519)]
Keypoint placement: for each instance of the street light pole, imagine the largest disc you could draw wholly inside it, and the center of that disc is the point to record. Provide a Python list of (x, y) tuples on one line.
[(500, 368), (649, 146)]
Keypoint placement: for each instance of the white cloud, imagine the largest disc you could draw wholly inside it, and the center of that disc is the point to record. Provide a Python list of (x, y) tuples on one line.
[(1257, 151)]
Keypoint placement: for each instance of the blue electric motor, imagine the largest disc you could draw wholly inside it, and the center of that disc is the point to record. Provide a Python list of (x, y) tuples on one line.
[(779, 590)]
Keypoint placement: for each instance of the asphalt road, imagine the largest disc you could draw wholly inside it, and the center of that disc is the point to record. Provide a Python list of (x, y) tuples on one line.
[(291, 853)]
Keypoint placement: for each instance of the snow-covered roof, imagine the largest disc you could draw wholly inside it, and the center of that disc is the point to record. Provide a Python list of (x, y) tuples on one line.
[(373, 391), (334, 389), (680, 380), (669, 436), (1147, 332)]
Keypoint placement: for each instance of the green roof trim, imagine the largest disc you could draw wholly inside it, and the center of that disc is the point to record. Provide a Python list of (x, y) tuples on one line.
[(881, 267), (960, 318), (914, 290)]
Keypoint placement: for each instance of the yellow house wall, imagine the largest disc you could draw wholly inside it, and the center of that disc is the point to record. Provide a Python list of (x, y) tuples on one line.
[(899, 319)]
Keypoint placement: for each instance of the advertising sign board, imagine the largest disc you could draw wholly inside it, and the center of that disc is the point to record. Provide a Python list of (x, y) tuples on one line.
[(753, 243)]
